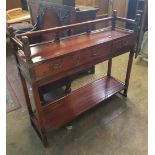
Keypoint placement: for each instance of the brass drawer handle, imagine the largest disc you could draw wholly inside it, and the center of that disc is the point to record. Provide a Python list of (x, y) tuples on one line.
[(56, 65), (77, 59), (95, 51), (78, 63), (125, 42)]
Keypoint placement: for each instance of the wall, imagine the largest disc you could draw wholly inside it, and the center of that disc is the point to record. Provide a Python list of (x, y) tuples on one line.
[(11, 4), (120, 5)]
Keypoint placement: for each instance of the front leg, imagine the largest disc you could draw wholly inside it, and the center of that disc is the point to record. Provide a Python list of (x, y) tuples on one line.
[(68, 85), (92, 70), (129, 67)]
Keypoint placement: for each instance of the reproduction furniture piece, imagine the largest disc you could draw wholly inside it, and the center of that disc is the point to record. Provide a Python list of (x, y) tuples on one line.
[(46, 62), (43, 10), (59, 15)]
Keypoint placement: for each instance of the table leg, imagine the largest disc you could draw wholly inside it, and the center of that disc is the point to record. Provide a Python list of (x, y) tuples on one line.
[(42, 130), (109, 67), (68, 85), (92, 70), (26, 94), (129, 67)]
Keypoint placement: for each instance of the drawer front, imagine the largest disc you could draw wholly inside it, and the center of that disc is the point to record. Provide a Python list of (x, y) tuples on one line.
[(123, 43), (100, 51), (52, 67), (90, 54), (71, 61)]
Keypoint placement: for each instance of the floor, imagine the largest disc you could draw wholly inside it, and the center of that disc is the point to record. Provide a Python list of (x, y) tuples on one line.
[(118, 126)]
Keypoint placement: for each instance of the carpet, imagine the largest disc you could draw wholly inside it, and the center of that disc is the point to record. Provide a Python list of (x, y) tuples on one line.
[(12, 102)]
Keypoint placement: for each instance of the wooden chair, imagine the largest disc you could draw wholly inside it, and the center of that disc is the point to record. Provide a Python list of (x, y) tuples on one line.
[(54, 15)]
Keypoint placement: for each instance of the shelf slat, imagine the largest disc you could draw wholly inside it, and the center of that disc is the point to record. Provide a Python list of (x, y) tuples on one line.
[(67, 108)]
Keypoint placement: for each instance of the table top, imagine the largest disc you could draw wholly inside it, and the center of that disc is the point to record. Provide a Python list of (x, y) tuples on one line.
[(51, 50)]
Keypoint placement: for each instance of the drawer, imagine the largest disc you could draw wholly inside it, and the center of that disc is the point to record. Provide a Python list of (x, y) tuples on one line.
[(53, 67), (100, 51), (123, 43), (91, 54), (81, 57), (71, 61), (62, 64)]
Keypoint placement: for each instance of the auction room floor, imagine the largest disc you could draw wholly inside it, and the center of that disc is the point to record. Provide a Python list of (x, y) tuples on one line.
[(118, 126)]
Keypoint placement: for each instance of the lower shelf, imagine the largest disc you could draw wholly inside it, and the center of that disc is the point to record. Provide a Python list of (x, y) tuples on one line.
[(65, 109)]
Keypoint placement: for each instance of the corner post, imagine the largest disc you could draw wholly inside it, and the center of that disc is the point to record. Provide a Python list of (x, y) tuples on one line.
[(129, 67), (136, 27), (114, 18), (39, 115), (26, 48), (136, 31)]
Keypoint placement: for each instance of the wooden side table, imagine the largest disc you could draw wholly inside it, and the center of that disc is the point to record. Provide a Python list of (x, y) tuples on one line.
[(46, 62)]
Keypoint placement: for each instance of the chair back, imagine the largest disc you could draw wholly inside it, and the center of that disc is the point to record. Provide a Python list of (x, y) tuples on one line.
[(52, 15)]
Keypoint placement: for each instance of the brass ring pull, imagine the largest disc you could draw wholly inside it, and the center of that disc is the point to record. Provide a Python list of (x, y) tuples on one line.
[(95, 51), (77, 63), (125, 42), (56, 65), (77, 59)]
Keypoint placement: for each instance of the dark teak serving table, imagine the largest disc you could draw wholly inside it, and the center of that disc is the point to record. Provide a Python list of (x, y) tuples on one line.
[(46, 62)]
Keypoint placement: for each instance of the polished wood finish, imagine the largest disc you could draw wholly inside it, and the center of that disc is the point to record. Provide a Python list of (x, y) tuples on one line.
[(43, 63), (72, 54), (72, 105), (59, 13)]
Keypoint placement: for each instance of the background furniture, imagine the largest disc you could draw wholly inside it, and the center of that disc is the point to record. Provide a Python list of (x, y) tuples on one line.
[(11, 4), (44, 63), (24, 5), (141, 7), (19, 20), (17, 15), (81, 13), (51, 15), (102, 5), (64, 2)]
